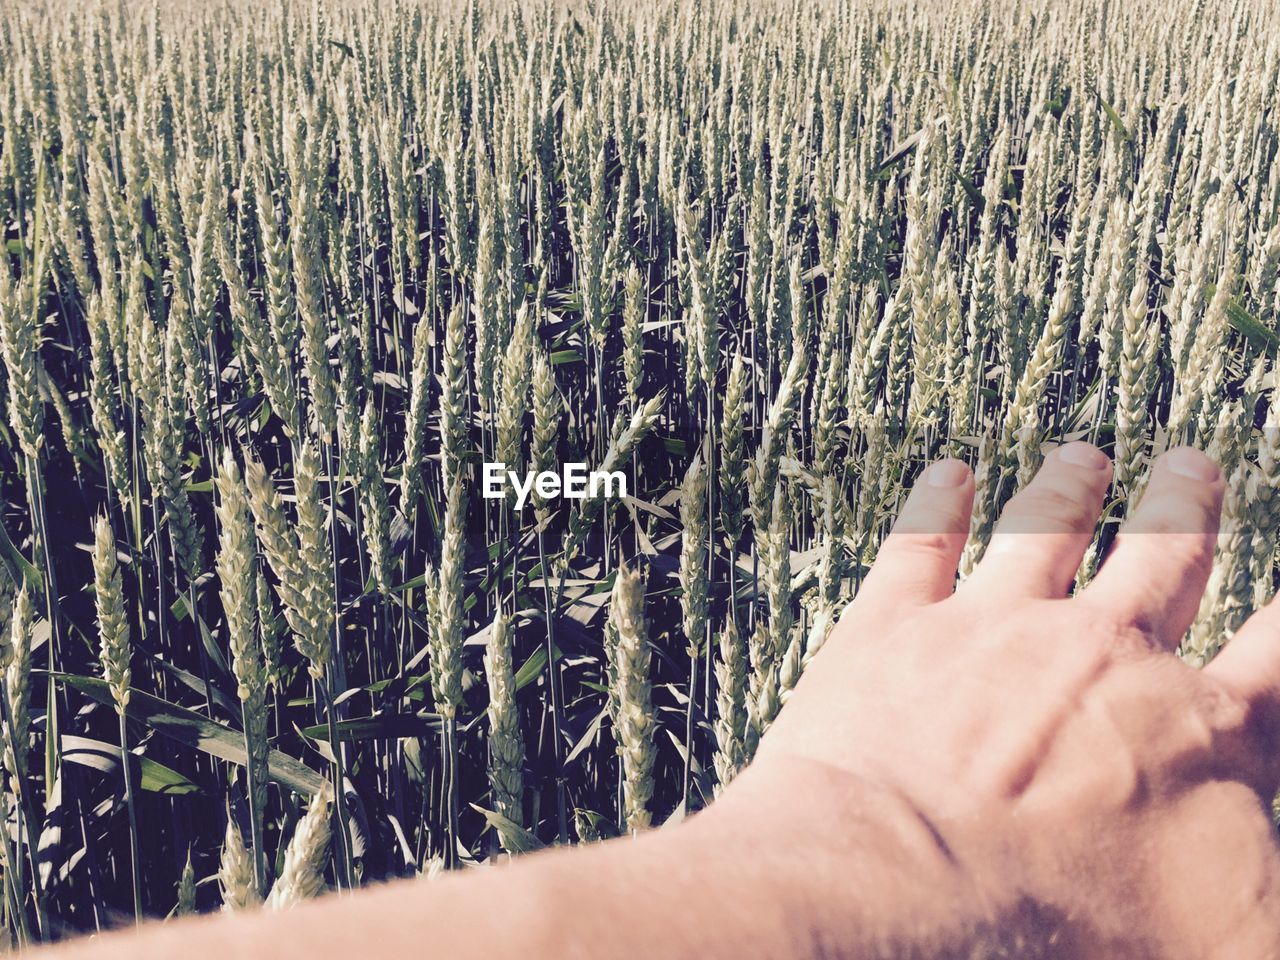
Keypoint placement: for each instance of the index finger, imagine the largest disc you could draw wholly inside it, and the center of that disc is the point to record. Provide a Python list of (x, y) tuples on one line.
[(917, 562)]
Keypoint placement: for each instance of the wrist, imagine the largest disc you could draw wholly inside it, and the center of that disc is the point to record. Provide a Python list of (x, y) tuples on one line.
[(841, 866)]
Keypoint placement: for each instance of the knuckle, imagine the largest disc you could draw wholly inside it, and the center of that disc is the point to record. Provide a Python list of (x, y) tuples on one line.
[(1192, 551), (1176, 512), (1164, 521), (922, 544), (1245, 728), (1049, 509), (1233, 713), (931, 519), (1251, 720), (1114, 634), (1170, 543)]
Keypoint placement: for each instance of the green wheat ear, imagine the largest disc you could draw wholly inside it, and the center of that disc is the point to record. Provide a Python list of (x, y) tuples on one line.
[(115, 646), (636, 721)]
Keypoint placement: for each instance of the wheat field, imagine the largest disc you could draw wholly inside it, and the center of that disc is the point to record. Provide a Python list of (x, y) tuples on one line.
[(281, 279)]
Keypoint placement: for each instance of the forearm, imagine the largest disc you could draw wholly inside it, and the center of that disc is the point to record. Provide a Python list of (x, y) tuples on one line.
[(686, 891), (858, 877)]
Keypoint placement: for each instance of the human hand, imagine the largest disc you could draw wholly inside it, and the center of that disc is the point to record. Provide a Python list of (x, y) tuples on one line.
[(1047, 772)]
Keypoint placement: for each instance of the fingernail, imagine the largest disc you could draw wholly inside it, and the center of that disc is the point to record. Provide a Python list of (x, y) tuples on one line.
[(1083, 455), (1191, 463), (948, 473)]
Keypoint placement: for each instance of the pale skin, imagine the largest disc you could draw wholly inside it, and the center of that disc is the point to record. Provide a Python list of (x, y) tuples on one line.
[(983, 771)]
